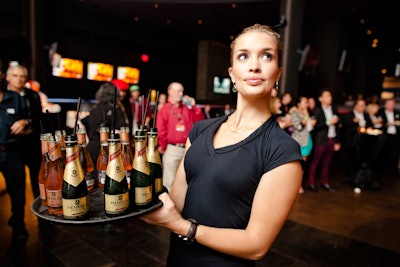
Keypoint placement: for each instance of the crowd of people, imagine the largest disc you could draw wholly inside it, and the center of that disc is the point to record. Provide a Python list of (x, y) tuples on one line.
[(225, 171), (366, 131)]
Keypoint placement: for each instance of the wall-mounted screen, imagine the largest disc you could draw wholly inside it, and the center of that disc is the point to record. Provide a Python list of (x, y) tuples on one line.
[(128, 74), (221, 85), (100, 71), (68, 68)]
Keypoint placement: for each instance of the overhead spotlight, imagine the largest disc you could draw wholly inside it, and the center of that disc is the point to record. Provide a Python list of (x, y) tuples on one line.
[(155, 5), (135, 18), (234, 5), (199, 21)]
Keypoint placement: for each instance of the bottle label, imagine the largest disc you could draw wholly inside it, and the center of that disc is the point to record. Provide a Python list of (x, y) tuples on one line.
[(42, 191), (101, 176), (115, 169), (74, 208), (143, 195), (141, 165), (73, 173), (158, 184), (54, 198), (89, 177), (115, 204)]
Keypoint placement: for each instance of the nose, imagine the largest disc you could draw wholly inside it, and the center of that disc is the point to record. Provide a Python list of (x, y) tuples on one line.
[(255, 66)]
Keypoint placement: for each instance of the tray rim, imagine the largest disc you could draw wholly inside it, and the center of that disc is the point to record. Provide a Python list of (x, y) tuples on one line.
[(36, 206)]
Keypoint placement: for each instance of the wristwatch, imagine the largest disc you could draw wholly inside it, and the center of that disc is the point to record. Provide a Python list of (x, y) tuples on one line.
[(190, 236)]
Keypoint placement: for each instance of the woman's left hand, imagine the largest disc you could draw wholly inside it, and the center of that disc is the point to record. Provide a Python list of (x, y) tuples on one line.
[(167, 216)]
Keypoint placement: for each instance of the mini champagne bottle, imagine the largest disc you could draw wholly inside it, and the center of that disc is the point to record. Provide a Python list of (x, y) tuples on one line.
[(116, 194), (126, 153), (54, 178), (44, 168), (86, 159), (74, 192), (141, 190), (102, 158), (155, 164)]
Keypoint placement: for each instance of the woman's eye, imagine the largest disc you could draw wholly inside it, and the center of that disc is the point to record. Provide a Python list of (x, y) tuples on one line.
[(242, 57), (266, 56)]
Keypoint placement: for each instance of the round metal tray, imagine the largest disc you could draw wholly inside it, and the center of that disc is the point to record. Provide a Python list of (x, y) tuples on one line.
[(96, 213)]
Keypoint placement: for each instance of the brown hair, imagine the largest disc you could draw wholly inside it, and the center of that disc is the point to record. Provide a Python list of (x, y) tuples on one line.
[(260, 28)]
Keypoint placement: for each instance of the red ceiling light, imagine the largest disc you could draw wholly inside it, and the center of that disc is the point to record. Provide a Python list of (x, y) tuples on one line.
[(145, 58)]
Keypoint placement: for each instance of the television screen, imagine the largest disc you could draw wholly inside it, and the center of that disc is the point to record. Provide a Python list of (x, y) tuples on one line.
[(221, 85), (68, 68), (128, 74), (100, 71)]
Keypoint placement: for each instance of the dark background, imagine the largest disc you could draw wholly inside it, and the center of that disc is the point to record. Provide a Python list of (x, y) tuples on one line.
[(119, 32)]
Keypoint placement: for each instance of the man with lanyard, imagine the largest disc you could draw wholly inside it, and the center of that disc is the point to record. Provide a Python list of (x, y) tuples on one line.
[(12, 125), (174, 121), (16, 77)]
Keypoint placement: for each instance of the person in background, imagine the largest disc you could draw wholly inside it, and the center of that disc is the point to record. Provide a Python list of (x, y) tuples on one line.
[(12, 165), (302, 127), (16, 77), (102, 115), (326, 141), (311, 106), (286, 103), (207, 111), (391, 129), (372, 110), (137, 108), (162, 98), (354, 125), (228, 109), (275, 106), (124, 103), (174, 121), (241, 173), (46, 105)]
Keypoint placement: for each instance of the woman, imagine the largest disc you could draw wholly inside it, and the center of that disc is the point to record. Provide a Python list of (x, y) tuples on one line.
[(302, 127), (241, 200)]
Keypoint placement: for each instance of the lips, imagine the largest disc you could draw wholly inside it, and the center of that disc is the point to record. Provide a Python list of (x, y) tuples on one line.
[(254, 81)]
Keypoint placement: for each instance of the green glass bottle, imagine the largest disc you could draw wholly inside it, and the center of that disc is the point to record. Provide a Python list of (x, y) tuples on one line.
[(141, 191), (75, 196), (155, 164), (116, 193)]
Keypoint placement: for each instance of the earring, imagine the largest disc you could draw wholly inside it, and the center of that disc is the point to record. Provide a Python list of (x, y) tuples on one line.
[(234, 89), (277, 86)]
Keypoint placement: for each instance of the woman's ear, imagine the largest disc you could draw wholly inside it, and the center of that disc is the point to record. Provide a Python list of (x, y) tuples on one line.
[(230, 74)]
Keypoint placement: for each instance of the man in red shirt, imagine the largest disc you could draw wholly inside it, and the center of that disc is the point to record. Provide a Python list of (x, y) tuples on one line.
[(174, 121)]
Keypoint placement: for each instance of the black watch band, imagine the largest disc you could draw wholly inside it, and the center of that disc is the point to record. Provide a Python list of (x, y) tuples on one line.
[(190, 236)]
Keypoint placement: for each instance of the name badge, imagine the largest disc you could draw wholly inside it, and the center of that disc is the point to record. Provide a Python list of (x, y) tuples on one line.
[(11, 110), (180, 127)]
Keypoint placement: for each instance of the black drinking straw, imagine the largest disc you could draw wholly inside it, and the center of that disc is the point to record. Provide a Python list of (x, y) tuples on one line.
[(77, 115), (114, 108), (144, 113), (155, 109)]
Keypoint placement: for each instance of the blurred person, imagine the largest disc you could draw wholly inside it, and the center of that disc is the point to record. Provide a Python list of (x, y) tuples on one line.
[(207, 111), (311, 106), (174, 121), (391, 129), (228, 109), (13, 124), (241, 173), (275, 106), (162, 98), (326, 141), (302, 127), (16, 77), (354, 125), (376, 119), (137, 107), (124, 103), (286, 103), (46, 105), (102, 115)]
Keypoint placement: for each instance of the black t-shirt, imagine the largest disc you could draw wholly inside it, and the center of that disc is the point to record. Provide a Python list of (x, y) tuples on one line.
[(222, 183)]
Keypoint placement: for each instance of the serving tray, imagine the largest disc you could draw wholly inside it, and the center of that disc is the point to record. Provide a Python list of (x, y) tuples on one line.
[(96, 213)]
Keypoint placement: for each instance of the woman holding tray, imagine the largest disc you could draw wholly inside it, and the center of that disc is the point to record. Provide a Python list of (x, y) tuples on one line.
[(241, 172)]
